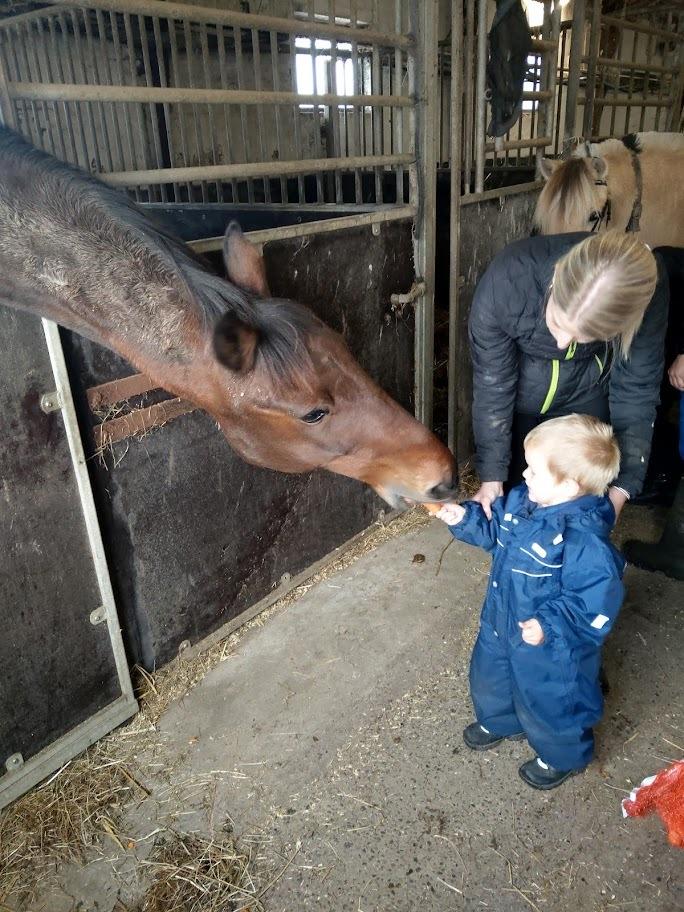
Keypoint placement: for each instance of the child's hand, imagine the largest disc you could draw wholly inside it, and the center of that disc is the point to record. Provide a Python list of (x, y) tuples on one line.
[(532, 632), (451, 514)]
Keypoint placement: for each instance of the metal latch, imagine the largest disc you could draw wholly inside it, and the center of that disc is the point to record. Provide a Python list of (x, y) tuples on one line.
[(51, 402)]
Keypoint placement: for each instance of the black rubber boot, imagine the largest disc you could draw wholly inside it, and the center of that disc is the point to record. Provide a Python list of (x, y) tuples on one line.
[(668, 554), (477, 738), (540, 775)]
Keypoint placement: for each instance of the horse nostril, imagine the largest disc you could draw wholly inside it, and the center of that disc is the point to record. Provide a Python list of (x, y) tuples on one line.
[(443, 491)]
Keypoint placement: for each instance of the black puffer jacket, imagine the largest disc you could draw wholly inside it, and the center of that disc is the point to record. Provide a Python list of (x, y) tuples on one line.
[(515, 359)]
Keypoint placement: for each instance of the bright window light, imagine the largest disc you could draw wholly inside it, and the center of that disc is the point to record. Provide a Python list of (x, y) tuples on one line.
[(305, 60)]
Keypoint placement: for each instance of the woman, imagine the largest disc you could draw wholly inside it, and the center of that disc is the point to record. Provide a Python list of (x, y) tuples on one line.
[(560, 324)]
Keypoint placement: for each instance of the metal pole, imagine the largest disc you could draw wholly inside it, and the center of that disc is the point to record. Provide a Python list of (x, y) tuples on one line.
[(480, 100), (213, 16), (576, 48), (253, 170), (552, 23), (424, 16), (455, 217), (591, 69)]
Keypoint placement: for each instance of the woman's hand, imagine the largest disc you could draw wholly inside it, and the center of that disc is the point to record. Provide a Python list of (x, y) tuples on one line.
[(532, 632), (451, 514), (489, 491), (618, 499), (676, 373)]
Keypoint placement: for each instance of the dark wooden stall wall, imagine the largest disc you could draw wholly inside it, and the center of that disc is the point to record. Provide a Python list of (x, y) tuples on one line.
[(57, 668), (194, 535)]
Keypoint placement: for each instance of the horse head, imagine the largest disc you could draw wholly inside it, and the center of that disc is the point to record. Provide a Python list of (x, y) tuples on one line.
[(282, 386), (288, 395), (575, 195)]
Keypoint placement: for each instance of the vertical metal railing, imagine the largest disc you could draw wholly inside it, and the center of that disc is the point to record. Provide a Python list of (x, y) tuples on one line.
[(98, 48)]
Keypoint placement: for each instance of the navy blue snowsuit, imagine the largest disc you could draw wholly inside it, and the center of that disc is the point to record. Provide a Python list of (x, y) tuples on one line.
[(557, 565)]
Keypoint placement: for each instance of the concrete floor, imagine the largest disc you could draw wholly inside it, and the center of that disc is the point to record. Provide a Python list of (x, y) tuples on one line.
[(336, 728)]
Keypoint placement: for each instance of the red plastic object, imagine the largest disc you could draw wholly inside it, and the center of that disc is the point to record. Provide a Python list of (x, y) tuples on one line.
[(663, 793)]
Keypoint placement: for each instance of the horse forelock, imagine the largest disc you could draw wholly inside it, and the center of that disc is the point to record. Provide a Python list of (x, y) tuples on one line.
[(284, 327), (568, 197)]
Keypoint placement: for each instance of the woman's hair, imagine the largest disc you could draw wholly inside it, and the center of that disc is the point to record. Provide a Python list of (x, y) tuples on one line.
[(603, 285), (579, 447)]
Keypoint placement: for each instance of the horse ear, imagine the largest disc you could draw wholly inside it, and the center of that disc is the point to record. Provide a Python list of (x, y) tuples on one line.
[(244, 263), (235, 343), (600, 167), (547, 166)]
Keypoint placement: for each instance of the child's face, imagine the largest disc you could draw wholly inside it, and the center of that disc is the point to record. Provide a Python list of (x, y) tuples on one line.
[(541, 484)]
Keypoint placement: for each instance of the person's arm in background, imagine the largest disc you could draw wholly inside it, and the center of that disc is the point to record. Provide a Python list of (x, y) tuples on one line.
[(674, 259), (494, 356), (634, 392)]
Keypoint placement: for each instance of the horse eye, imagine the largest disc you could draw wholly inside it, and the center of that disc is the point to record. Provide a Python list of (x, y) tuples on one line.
[(594, 216), (315, 416)]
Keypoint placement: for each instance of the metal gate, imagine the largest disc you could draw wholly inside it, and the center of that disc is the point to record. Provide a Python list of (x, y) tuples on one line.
[(65, 678)]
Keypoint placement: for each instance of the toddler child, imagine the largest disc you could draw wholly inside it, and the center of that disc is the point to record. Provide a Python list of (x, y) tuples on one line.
[(554, 592)]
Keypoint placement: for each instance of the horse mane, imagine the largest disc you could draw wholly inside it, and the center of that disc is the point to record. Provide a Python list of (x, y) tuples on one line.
[(282, 325), (632, 142), (569, 190), (673, 142)]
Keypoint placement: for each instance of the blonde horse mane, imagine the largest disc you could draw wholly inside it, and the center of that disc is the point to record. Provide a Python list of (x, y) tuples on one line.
[(568, 195)]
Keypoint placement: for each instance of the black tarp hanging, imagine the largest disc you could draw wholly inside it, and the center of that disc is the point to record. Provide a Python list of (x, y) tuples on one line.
[(509, 45)]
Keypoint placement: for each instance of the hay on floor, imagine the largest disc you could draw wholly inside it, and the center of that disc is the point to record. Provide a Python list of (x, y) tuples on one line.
[(192, 874), (77, 811)]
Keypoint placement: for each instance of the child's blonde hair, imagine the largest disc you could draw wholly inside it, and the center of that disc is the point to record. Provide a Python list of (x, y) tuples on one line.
[(603, 286), (579, 447)]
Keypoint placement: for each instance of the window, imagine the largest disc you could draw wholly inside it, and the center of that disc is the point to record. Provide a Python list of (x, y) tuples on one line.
[(314, 69), (532, 81)]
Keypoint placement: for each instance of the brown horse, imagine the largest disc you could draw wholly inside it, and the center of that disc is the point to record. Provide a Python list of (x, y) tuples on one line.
[(282, 386), (633, 184)]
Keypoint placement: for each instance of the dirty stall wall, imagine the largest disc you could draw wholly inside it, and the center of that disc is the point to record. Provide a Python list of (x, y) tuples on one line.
[(486, 228), (195, 536), (58, 666)]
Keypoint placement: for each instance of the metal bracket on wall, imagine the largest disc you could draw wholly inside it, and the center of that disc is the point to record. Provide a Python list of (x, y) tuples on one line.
[(98, 615), (50, 402), (14, 762)]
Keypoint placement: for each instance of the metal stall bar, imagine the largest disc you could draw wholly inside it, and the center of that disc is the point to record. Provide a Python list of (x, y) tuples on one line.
[(480, 100), (594, 44), (213, 16), (616, 83), (36, 768), (469, 94), (620, 23), (39, 91), (424, 17), (455, 217), (253, 170), (576, 48), (379, 216), (549, 75), (676, 107), (397, 115)]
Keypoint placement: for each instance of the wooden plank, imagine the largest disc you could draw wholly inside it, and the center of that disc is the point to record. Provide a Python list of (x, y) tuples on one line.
[(139, 421)]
